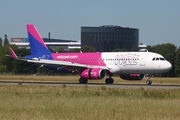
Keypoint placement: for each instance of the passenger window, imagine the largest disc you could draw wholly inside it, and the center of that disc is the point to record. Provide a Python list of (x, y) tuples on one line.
[(153, 59), (157, 58)]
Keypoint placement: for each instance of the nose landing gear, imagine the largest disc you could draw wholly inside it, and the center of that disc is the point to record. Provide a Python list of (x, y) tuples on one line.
[(148, 81)]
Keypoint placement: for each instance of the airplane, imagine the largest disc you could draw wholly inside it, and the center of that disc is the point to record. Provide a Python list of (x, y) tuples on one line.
[(94, 65)]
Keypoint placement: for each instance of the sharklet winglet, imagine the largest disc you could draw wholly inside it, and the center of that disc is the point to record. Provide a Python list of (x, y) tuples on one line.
[(12, 52)]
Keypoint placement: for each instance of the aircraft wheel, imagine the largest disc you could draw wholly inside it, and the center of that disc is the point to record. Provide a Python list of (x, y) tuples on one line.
[(109, 81), (83, 81)]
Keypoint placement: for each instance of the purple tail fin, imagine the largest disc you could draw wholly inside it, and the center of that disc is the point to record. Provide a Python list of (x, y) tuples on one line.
[(37, 44)]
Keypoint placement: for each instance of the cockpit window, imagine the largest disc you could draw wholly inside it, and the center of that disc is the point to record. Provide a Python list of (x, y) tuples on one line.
[(162, 58), (157, 58)]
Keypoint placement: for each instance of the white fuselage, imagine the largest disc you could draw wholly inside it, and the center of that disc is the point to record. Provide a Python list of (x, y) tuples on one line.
[(136, 62)]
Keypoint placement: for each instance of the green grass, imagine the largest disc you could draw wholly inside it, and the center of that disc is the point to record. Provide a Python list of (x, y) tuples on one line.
[(92, 103)]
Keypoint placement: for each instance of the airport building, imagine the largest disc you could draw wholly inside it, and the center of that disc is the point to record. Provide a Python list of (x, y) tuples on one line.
[(51, 43), (108, 37)]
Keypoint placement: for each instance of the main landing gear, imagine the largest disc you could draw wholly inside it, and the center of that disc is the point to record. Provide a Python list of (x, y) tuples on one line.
[(83, 80), (148, 81), (109, 80)]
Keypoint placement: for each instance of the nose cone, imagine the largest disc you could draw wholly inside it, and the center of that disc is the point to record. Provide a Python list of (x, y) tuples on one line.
[(167, 66)]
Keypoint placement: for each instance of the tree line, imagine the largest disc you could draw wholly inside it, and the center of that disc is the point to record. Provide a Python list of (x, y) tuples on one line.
[(9, 65)]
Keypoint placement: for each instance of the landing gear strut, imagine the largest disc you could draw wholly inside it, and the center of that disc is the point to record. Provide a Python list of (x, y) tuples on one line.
[(83, 80), (148, 81)]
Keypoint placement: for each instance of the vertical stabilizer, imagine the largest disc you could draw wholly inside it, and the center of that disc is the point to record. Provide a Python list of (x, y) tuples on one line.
[(37, 44)]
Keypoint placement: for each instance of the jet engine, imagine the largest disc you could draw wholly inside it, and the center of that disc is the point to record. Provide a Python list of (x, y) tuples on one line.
[(132, 76), (93, 73)]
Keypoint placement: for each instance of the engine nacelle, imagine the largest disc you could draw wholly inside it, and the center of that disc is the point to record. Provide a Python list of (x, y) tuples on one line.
[(93, 73), (132, 76)]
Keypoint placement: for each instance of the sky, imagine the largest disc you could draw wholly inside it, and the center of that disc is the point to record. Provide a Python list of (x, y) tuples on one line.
[(158, 21)]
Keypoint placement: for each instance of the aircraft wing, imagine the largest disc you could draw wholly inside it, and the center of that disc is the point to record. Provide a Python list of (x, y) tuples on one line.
[(64, 63)]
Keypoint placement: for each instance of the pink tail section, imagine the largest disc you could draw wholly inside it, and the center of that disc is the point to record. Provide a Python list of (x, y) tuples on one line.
[(33, 31), (12, 52), (37, 44)]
